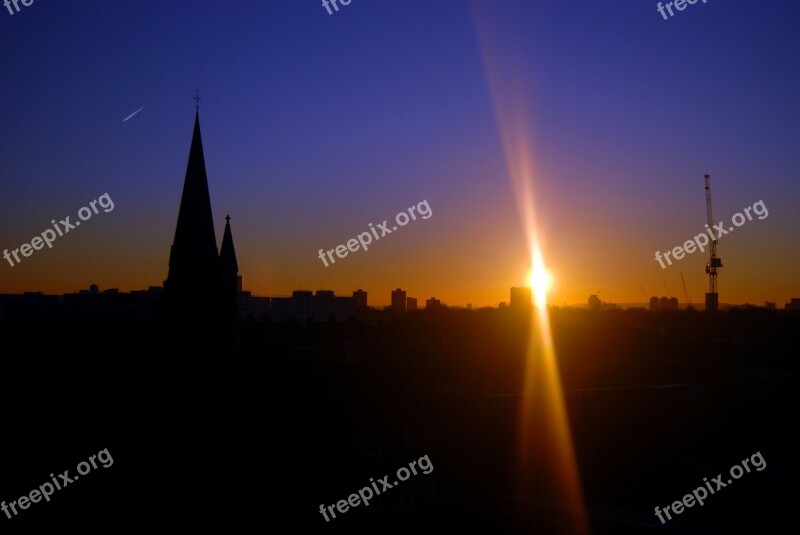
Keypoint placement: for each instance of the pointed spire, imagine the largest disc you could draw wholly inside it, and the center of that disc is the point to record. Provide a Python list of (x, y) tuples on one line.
[(195, 222), (193, 258), (227, 252), (229, 284)]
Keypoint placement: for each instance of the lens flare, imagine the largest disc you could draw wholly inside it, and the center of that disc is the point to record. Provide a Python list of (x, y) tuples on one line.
[(547, 470)]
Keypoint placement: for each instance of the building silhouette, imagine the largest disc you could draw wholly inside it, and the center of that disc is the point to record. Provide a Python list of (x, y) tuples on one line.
[(360, 298), (201, 285), (253, 307), (663, 303), (521, 298), (398, 300), (304, 306), (433, 303)]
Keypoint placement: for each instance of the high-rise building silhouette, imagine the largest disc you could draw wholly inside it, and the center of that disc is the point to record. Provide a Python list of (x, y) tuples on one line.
[(201, 285), (521, 298), (398, 300), (360, 297)]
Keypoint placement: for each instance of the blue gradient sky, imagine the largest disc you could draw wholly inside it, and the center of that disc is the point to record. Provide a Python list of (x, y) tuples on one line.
[(316, 125)]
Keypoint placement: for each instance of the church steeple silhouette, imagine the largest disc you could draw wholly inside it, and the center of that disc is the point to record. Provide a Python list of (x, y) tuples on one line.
[(200, 284), (228, 274)]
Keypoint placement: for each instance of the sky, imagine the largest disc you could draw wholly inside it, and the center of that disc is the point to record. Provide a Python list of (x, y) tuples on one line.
[(316, 125)]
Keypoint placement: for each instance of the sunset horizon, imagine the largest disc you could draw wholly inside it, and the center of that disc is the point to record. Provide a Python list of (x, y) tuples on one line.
[(557, 292)]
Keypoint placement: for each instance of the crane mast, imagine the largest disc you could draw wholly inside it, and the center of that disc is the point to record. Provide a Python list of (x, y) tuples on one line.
[(685, 293), (712, 297)]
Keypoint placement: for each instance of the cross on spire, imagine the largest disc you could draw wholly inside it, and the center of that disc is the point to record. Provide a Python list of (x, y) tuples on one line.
[(197, 100), (228, 218)]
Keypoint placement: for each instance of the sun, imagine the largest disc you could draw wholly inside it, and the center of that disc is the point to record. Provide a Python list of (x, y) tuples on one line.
[(540, 280)]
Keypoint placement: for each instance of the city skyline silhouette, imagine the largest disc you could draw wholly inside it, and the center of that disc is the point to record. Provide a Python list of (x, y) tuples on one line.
[(197, 246)]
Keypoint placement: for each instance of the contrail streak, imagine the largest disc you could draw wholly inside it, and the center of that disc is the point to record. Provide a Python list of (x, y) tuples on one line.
[(132, 114)]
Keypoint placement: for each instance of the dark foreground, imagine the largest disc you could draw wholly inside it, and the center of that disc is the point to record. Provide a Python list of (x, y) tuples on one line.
[(256, 432)]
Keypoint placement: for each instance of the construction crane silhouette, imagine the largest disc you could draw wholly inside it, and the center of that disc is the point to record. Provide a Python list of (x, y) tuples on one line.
[(667, 287), (712, 298), (685, 293)]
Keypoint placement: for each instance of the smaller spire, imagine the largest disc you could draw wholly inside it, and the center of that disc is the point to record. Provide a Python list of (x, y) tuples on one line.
[(197, 100), (227, 252)]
